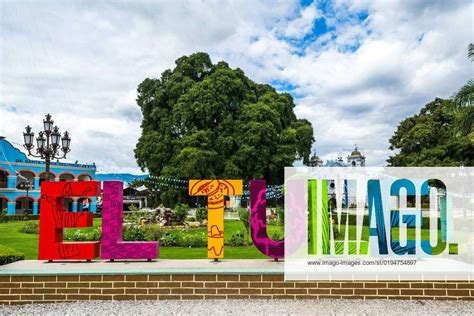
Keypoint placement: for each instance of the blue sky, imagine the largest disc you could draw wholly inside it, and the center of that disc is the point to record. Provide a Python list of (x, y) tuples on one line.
[(354, 68), (316, 29)]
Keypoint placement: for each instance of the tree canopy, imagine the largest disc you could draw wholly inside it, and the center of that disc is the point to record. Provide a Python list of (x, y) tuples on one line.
[(432, 138), (204, 120)]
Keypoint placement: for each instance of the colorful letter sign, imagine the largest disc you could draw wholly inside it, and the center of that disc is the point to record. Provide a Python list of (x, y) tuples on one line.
[(258, 222), (53, 219), (215, 190), (112, 245)]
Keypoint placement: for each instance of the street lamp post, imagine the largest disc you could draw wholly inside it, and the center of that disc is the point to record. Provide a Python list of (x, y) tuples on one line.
[(49, 143)]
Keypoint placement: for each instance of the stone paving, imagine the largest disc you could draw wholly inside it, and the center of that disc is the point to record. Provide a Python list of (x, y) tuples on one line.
[(246, 307), (200, 266)]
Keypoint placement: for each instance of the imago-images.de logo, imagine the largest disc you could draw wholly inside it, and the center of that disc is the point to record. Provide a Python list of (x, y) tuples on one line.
[(393, 223)]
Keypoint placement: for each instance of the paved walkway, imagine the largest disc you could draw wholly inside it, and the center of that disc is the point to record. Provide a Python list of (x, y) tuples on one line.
[(199, 266), (251, 307)]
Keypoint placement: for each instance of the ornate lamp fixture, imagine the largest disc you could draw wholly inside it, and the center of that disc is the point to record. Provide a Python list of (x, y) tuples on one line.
[(50, 144)]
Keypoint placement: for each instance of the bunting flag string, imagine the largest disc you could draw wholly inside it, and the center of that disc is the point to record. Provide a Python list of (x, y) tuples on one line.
[(274, 191)]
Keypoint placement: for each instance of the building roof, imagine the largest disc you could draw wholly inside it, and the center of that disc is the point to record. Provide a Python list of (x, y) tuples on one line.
[(10, 153), (335, 163), (124, 177)]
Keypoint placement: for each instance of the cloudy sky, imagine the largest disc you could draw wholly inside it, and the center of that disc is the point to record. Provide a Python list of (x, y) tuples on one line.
[(355, 68)]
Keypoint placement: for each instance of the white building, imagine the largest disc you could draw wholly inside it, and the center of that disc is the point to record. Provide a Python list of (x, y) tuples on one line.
[(355, 159)]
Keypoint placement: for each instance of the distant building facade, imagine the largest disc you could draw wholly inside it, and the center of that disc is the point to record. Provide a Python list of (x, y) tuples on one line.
[(355, 159), (21, 178), (135, 196)]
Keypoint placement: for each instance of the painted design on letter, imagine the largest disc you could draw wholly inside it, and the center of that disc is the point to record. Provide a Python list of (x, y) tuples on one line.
[(215, 190), (53, 219), (258, 222), (112, 245), (314, 186)]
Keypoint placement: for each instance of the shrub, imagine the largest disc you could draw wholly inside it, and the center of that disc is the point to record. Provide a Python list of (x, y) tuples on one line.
[(425, 224), (3, 216), (194, 224), (133, 233), (23, 217), (237, 239), (133, 208), (181, 211), (152, 232), (277, 235), (30, 228), (29, 217), (79, 235), (67, 235), (8, 255), (271, 221), (192, 241), (169, 240), (201, 214), (244, 216), (96, 234), (75, 235), (133, 217), (281, 215)]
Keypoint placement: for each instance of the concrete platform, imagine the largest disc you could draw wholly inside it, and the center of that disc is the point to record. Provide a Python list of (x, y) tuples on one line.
[(196, 266)]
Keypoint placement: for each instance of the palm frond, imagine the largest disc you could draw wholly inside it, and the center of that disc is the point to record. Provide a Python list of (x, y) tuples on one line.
[(467, 121), (470, 51), (465, 95)]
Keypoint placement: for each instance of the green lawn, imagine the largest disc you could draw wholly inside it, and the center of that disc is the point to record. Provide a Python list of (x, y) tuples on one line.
[(201, 253), (11, 237), (230, 228), (425, 233)]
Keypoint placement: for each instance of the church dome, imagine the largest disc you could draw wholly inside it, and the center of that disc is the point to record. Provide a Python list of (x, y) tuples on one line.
[(355, 153), (315, 161), (314, 158)]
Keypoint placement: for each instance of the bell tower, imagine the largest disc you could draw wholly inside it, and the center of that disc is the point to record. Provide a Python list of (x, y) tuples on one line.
[(315, 161), (356, 159)]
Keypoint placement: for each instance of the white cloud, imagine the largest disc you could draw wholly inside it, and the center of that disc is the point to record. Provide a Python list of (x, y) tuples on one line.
[(303, 24), (83, 63)]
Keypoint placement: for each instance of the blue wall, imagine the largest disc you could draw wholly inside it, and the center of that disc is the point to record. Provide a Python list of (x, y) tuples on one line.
[(13, 163)]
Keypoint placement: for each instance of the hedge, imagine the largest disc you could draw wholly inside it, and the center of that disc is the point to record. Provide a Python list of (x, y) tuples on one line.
[(17, 218), (8, 255), (353, 221)]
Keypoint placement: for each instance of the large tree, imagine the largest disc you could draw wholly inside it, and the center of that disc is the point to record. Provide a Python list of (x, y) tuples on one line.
[(431, 138), (205, 120)]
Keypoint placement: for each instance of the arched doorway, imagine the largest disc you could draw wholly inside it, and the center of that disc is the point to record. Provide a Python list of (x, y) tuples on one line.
[(24, 177), (68, 204), (3, 204), (3, 178), (84, 177), (42, 177), (84, 204), (24, 205), (66, 177)]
